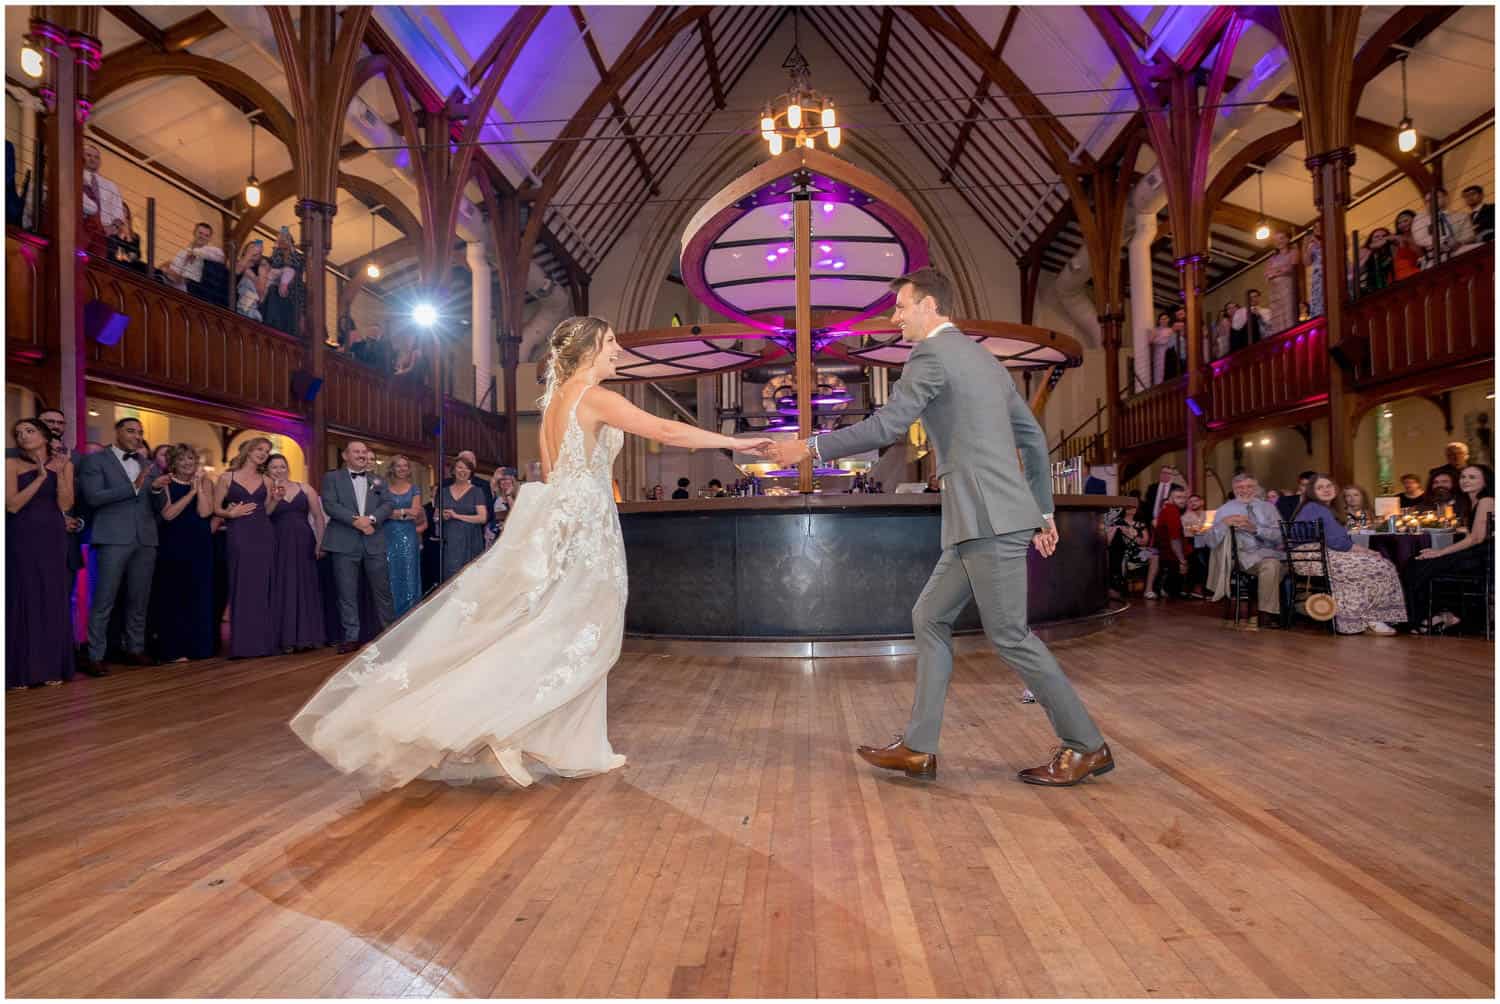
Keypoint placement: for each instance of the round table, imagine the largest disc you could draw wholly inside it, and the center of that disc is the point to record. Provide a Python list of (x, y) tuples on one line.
[(1401, 548)]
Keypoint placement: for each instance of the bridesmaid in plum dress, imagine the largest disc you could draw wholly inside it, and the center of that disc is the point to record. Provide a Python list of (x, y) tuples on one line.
[(242, 499), (296, 595), (38, 631)]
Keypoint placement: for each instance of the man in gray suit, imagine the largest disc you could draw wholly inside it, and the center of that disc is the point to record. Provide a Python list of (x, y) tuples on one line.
[(992, 513), (113, 484), (357, 505)]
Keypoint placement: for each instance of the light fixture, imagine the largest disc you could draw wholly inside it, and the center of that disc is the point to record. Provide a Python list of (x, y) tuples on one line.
[(1266, 441), (32, 63), (805, 113), (1387, 414), (1262, 229), (95, 414), (252, 184), (425, 314), (1406, 135), (1490, 396), (373, 269), (1249, 443)]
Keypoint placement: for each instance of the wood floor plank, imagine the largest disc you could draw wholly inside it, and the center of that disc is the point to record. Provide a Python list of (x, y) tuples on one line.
[(1294, 814)]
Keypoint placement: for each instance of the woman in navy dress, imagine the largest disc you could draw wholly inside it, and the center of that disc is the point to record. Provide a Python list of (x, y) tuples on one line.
[(403, 542), (242, 499), (296, 594), (38, 630), (182, 624), (464, 516)]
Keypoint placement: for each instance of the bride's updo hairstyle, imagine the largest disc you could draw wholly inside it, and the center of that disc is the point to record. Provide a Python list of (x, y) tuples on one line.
[(572, 344)]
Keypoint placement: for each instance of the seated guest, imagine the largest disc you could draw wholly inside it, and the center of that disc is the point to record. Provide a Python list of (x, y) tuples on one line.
[(1193, 518), (716, 489), (1127, 539), (1412, 496), (1481, 213), (1365, 584), (1094, 484), (1287, 504), (1358, 510), (1405, 253), (1170, 543), (282, 303), (187, 266), (372, 349), (1274, 497), (125, 244), (252, 279), (1257, 528), (657, 494), (1377, 261), (38, 491), (182, 624), (102, 205), (682, 489), (934, 486), (1440, 489), (1474, 504)]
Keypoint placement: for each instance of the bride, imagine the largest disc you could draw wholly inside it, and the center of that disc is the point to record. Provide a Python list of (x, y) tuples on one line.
[(509, 659)]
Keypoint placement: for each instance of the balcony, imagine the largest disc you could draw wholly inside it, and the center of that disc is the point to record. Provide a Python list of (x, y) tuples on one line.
[(1154, 420), (1283, 375)]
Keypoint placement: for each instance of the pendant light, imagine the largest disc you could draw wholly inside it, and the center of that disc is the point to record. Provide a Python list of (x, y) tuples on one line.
[(1262, 229), (372, 270), (1406, 135), (252, 185), (32, 62)]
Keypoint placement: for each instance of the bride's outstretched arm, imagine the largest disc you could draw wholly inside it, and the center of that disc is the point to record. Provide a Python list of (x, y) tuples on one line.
[(612, 409)]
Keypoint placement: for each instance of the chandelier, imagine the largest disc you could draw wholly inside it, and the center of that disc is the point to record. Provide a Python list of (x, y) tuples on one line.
[(802, 114)]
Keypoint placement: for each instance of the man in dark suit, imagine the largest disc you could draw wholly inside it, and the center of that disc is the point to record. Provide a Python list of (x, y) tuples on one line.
[(1156, 495), (113, 483), (358, 506), (1287, 504)]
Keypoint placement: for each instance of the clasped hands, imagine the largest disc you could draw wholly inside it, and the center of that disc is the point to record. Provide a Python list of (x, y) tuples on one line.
[(364, 524)]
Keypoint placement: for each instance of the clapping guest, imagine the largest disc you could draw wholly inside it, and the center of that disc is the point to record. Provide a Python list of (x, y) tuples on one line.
[(1473, 506), (1365, 585), (298, 523), (252, 278), (243, 499), (182, 622), (125, 244), (503, 490), (1256, 526), (403, 545), (38, 491), (1377, 261), (282, 301), (186, 270), (464, 516)]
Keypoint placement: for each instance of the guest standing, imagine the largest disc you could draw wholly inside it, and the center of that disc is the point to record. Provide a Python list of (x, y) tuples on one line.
[(1474, 505), (38, 491), (1281, 276), (403, 545), (285, 293), (1406, 255), (252, 280), (464, 516), (243, 499), (183, 622), (358, 509), (1377, 261), (1365, 585), (114, 485), (1312, 252), (296, 596), (1162, 337)]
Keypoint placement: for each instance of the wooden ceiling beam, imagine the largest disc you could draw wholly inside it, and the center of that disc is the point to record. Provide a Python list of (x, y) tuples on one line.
[(188, 31), (1406, 29), (882, 52), (980, 92), (711, 57), (626, 129)]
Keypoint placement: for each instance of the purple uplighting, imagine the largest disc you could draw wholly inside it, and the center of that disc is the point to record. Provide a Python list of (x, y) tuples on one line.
[(825, 248), (840, 263), (824, 263), (783, 250), (828, 207), (771, 257), (786, 217)]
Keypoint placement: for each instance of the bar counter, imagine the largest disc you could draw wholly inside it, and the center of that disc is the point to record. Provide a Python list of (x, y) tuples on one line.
[(832, 568)]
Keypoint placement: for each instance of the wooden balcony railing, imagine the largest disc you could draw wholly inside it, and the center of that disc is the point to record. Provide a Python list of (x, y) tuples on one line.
[(185, 346), (1438, 319), (25, 261), (358, 400), (1154, 417), (1282, 374), (468, 428)]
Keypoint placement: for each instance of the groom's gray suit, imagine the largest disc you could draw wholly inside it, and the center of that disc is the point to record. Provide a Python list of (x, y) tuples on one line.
[(353, 551), (977, 421)]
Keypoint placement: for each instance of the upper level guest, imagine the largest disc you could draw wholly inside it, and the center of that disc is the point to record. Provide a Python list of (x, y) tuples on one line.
[(1405, 254), (1481, 213), (1249, 324), (252, 278), (1451, 231), (187, 266), (125, 244), (657, 494), (1281, 276), (1223, 330), (101, 197), (285, 294), (372, 349), (1377, 262)]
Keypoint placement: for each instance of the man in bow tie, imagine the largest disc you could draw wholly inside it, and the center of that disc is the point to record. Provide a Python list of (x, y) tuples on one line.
[(357, 506)]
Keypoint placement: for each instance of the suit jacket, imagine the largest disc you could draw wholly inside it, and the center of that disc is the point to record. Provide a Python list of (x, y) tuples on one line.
[(1286, 506), (977, 421), (120, 515), (342, 507), (1148, 504)]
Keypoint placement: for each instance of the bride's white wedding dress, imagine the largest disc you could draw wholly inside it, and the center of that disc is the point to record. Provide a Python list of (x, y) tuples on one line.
[(508, 659)]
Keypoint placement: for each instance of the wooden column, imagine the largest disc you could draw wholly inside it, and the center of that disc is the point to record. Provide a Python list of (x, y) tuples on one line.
[(1110, 328), (317, 237), (1190, 275), (1330, 174), (802, 228)]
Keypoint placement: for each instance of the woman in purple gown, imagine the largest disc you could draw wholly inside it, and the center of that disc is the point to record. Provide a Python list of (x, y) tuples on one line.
[(38, 631), (183, 624), (297, 600), (242, 499)]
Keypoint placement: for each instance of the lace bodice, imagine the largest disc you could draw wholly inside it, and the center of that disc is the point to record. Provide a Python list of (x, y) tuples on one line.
[(574, 461)]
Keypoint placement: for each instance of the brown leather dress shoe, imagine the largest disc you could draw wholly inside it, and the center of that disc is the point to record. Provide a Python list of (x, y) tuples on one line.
[(894, 744), (1068, 767), (898, 757), (348, 646), (93, 667)]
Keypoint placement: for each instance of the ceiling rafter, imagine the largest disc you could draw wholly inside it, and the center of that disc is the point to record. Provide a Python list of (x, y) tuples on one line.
[(712, 58), (882, 52), (1406, 29), (631, 142), (980, 92)]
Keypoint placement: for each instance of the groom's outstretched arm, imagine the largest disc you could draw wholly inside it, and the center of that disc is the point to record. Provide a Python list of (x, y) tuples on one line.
[(921, 380)]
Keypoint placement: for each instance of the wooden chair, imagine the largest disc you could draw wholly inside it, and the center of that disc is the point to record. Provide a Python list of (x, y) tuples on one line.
[(1468, 586), (1306, 564)]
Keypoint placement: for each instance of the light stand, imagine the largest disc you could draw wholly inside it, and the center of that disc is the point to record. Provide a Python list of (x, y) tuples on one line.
[(425, 315)]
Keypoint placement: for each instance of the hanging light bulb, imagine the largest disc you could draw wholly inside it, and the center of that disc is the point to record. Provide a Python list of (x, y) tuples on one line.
[(252, 185), (808, 142), (828, 117), (1406, 135), (32, 63), (775, 142), (372, 270), (767, 124), (1262, 229), (794, 115), (835, 137)]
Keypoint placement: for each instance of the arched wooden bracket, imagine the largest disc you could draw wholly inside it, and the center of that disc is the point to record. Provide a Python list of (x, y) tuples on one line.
[(1443, 402), (1304, 429)]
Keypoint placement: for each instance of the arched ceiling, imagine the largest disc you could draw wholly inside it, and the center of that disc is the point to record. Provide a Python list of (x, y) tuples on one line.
[(921, 90)]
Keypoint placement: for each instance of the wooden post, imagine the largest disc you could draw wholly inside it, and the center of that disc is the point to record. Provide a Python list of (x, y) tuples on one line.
[(317, 238), (1330, 173), (802, 227), (1190, 273), (1110, 327)]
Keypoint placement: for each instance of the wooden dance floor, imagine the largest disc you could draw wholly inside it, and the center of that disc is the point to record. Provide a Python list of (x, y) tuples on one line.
[(1293, 814)]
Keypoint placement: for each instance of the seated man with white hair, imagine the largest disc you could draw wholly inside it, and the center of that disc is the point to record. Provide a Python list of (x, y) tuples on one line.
[(1257, 528)]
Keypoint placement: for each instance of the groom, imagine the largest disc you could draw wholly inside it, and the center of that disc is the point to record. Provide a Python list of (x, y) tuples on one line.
[(991, 514), (357, 507)]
